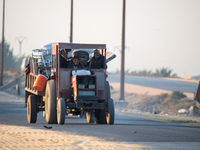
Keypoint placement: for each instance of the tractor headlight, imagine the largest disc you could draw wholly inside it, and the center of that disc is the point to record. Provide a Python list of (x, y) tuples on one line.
[(81, 86), (92, 86)]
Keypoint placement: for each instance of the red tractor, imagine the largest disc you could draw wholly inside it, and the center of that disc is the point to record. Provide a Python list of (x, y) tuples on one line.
[(68, 91)]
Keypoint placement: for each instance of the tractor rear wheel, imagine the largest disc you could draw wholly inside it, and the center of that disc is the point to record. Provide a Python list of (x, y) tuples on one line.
[(107, 90), (50, 102), (90, 117), (31, 109), (100, 116), (61, 109), (110, 115)]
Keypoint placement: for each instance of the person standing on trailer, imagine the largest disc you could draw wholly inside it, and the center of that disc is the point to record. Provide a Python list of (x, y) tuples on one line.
[(64, 62)]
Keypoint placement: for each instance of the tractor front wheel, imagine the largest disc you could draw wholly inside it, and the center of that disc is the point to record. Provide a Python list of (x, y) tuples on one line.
[(90, 117), (61, 109)]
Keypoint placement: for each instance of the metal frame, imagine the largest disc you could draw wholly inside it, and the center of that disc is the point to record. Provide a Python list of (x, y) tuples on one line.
[(57, 47)]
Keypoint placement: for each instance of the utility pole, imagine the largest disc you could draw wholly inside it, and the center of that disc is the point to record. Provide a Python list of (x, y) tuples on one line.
[(71, 23), (2, 44), (122, 53), (20, 40)]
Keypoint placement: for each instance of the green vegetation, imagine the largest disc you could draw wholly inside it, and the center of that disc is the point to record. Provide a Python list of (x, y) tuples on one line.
[(161, 118), (164, 72), (194, 124)]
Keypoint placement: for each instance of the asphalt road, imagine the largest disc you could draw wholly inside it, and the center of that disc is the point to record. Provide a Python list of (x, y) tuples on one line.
[(14, 113), (159, 83)]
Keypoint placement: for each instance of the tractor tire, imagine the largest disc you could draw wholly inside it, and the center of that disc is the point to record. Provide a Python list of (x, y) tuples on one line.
[(90, 117), (100, 116), (107, 90), (50, 102), (110, 115), (31, 109), (61, 110)]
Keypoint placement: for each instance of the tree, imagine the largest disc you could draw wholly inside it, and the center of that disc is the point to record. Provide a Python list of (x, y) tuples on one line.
[(163, 72), (10, 61)]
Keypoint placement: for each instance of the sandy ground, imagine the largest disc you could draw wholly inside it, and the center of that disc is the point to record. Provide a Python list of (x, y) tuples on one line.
[(15, 137), (185, 80), (131, 88), (22, 137)]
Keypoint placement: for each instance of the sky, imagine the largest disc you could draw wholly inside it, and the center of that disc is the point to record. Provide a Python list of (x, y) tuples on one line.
[(158, 33)]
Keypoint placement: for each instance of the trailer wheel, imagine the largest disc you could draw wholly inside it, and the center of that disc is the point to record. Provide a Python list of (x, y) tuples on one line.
[(61, 109), (90, 117), (50, 102), (31, 109), (110, 115)]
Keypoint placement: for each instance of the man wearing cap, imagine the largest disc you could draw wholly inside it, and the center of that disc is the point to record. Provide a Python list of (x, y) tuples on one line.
[(97, 61), (75, 63), (63, 58)]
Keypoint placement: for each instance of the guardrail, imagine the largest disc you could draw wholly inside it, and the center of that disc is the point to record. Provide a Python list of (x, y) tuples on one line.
[(16, 82)]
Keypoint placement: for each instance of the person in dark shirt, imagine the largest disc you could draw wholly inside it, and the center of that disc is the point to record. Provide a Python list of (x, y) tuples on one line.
[(63, 58), (97, 61), (75, 63)]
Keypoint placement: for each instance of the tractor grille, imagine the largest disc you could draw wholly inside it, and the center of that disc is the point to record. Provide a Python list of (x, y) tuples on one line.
[(86, 93)]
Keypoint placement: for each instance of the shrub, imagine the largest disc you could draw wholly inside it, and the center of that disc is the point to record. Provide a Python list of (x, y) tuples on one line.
[(177, 95), (162, 96)]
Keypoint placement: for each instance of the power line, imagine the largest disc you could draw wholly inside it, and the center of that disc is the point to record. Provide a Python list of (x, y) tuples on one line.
[(20, 40)]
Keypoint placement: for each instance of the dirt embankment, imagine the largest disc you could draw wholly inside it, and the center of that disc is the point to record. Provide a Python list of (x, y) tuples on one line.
[(146, 99)]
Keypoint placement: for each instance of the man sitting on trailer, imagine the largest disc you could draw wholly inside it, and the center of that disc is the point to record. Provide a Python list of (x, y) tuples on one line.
[(75, 63), (64, 62), (97, 61)]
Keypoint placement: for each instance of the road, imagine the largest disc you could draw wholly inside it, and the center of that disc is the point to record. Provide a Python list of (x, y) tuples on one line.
[(158, 83), (153, 131)]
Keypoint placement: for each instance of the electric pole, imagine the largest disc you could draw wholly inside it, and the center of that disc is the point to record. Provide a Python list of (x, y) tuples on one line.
[(20, 40), (122, 53), (71, 23), (2, 44)]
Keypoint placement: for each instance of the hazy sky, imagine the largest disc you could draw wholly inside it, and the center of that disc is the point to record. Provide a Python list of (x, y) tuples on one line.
[(159, 33)]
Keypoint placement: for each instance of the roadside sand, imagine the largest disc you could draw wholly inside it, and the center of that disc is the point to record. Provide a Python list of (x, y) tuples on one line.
[(131, 88), (185, 80), (20, 137)]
